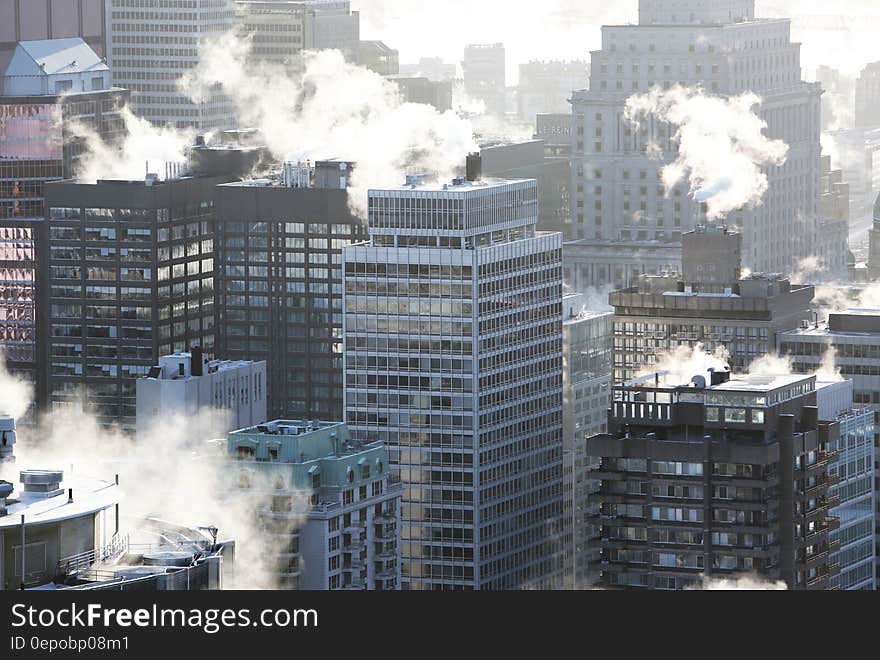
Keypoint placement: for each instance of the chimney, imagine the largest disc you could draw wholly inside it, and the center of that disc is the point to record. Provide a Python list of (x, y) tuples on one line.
[(474, 166), (197, 362)]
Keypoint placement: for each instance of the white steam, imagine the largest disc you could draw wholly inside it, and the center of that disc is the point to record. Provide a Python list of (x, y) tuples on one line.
[(16, 394), (687, 362), (144, 148), (721, 145), (333, 109), (739, 583)]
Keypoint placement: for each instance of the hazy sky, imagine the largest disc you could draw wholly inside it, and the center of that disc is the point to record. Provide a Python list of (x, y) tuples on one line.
[(569, 29)]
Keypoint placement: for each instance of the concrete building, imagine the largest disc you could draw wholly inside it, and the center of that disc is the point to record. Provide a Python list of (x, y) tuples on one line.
[(833, 253), (858, 155), (281, 30), (586, 383), (152, 44), (873, 265), (184, 384), (50, 87), (853, 477), (453, 358), (485, 75), (379, 57), (279, 251), (128, 274), (424, 90), (709, 304), (868, 97), (715, 475), (334, 515), (619, 195), (432, 68), (854, 336), (546, 87), (35, 20)]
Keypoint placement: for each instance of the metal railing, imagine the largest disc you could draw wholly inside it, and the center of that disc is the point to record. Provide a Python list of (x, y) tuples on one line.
[(118, 545)]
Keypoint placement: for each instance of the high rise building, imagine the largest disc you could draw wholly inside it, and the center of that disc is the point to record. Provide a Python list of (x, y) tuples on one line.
[(546, 87), (50, 88), (854, 336), (334, 517), (485, 75), (35, 20), (182, 385), (868, 97), (853, 475), (715, 476), (453, 358), (622, 207), (834, 216), (281, 29), (586, 383), (152, 44), (711, 303), (128, 275), (279, 250), (874, 244)]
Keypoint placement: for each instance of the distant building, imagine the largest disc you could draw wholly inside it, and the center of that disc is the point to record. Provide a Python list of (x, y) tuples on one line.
[(147, 60), (50, 87), (334, 515), (485, 75), (426, 91), (874, 244), (858, 154), (586, 384), (546, 87), (833, 221), (36, 20), (453, 359), (128, 270), (710, 303), (868, 97), (718, 476), (279, 250), (432, 68), (378, 57), (184, 384)]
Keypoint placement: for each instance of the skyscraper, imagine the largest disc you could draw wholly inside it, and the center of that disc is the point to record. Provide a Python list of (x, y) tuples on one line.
[(279, 250), (622, 209), (711, 303), (485, 75), (453, 358), (713, 474), (151, 44), (49, 86), (868, 97)]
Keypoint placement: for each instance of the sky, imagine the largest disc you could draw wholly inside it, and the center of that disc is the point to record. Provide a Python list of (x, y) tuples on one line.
[(570, 29)]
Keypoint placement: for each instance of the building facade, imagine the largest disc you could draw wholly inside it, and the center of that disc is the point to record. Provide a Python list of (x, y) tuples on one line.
[(868, 97), (333, 515), (546, 87), (128, 275), (46, 99), (279, 251), (620, 196), (710, 304), (453, 358), (185, 384), (152, 44), (485, 75), (33, 20), (717, 476), (586, 382)]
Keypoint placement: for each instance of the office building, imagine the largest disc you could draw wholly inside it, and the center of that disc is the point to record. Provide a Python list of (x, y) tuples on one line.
[(279, 250), (834, 216), (128, 275), (586, 383), (432, 68), (546, 87), (854, 336), (868, 97), (346, 535), (710, 304), (716, 475), (854, 477), (280, 30), (485, 75), (50, 87), (379, 57), (35, 20), (858, 153), (873, 265), (182, 385), (152, 44), (453, 359), (620, 198), (424, 90)]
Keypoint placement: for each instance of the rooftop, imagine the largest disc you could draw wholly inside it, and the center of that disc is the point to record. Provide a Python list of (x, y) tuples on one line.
[(458, 185), (55, 56)]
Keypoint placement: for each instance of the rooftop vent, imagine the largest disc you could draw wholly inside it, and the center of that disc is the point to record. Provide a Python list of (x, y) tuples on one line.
[(42, 483), (7, 439), (6, 489)]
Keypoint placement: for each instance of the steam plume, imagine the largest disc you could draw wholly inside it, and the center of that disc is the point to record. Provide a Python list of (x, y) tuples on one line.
[(16, 395), (721, 145)]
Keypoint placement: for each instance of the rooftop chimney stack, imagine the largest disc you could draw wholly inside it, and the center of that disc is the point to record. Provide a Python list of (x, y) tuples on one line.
[(474, 166), (196, 367)]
